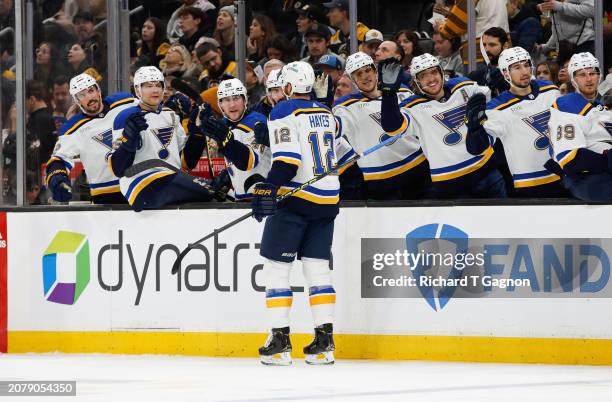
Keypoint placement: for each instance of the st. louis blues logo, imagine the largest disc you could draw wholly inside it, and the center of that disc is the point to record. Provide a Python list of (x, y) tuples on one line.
[(164, 135), (414, 244), (106, 140), (377, 117), (452, 120), (539, 123)]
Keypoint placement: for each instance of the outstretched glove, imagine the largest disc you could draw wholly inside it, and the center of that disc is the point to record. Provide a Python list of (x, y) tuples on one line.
[(221, 185), (475, 115), (218, 131), (196, 116), (390, 76), (180, 103), (321, 85), (134, 125), (264, 200), (59, 184)]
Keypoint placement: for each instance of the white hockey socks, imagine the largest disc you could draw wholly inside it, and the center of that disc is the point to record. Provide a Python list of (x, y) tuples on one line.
[(322, 294)]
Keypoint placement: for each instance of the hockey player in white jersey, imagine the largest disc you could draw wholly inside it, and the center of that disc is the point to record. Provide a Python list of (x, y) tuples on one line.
[(240, 138), (88, 136), (397, 171), (302, 142), (149, 132), (436, 117), (519, 118), (581, 133)]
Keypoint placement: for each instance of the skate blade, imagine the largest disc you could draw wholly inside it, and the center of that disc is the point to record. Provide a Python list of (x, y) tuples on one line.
[(278, 359), (321, 358)]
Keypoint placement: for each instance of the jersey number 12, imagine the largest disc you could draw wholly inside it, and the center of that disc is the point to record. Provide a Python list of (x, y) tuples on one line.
[(322, 165)]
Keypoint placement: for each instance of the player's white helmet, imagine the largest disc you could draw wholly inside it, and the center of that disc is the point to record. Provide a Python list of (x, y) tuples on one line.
[(422, 63), (300, 75), (580, 61), (510, 56), (231, 87), (273, 80), (147, 74), (356, 61), (80, 83)]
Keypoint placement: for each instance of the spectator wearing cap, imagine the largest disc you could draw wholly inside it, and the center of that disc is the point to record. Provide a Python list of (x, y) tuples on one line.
[(174, 29), (216, 64), (338, 14), (261, 32), (191, 22), (307, 15), (317, 40), (92, 42), (331, 65), (409, 41), (373, 39), (224, 31)]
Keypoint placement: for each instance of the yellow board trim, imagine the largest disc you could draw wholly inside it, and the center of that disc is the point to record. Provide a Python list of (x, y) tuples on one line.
[(384, 347)]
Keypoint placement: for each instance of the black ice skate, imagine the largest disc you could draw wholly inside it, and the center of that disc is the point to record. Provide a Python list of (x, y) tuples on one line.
[(277, 349), (321, 349)]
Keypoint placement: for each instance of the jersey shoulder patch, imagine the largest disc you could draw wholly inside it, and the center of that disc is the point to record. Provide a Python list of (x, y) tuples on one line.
[(118, 99), (119, 122), (73, 124), (573, 103), (348, 99)]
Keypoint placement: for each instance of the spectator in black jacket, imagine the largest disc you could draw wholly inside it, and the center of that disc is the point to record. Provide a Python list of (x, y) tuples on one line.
[(191, 22), (525, 28), (41, 132)]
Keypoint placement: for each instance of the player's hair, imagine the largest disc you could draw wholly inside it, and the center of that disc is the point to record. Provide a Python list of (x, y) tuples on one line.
[(498, 33), (36, 89), (195, 12)]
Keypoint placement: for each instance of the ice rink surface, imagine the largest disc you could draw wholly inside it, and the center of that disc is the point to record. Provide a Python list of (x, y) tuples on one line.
[(176, 378)]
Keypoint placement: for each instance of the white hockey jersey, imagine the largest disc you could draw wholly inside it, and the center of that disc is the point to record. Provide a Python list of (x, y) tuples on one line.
[(521, 123), (302, 133), (577, 123), (164, 139), (441, 131), (90, 139), (258, 166), (359, 121)]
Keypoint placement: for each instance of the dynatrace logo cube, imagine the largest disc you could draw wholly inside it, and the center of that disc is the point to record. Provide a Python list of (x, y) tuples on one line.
[(65, 265)]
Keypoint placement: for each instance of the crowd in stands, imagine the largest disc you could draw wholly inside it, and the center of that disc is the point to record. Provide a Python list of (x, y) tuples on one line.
[(196, 42)]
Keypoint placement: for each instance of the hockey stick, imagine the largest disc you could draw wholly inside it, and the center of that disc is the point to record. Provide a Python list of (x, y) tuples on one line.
[(177, 263), (191, 93)]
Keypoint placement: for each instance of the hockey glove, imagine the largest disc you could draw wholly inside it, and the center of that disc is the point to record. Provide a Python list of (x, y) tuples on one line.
[(494, 79), (475, 115), (196, 116), (218, 131), (262, 135), (390, 76), (134, 124), (180, 103), (321, 85), (221, 185), (59, 184), (264, 200)]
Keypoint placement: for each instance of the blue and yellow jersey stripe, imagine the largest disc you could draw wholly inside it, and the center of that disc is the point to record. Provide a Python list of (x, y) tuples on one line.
[(310, 110), (461, 85), (533, 179), (104, 188), (566, 157), (279, 298), (292, 158), (401, 128), (393, 169), (121, 102), (350, 101), (415, 102), (77, 125), (463, 168), (507, 104), (253, 159), (140, 183), (547, 88), (312, 194)]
